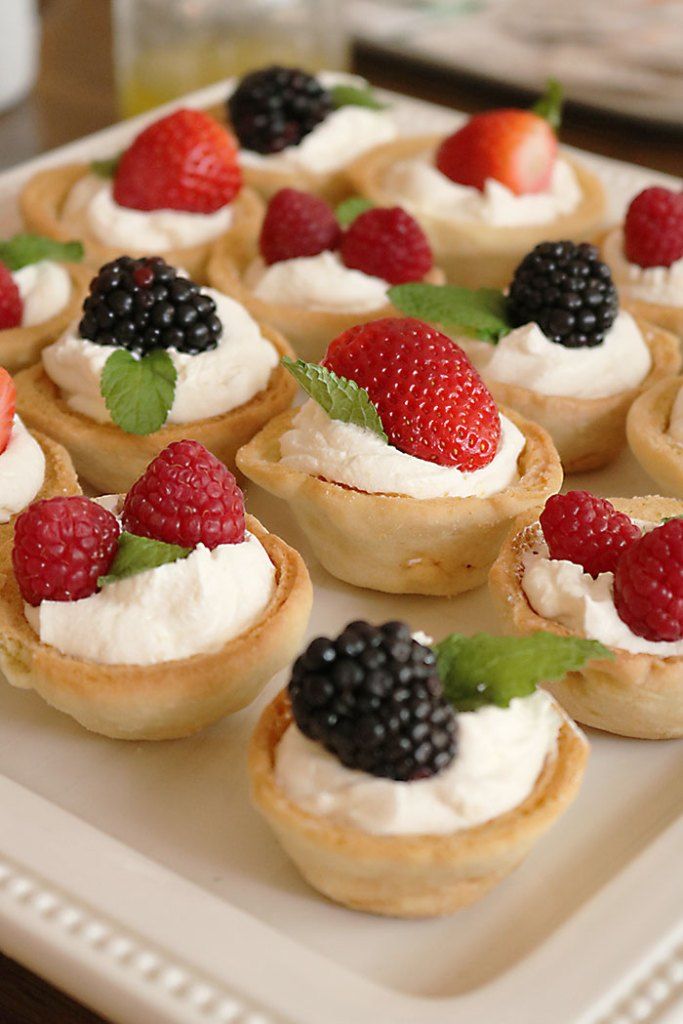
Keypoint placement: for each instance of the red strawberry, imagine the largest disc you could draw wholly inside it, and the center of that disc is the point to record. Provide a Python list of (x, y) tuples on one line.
[(11, 303), (297, 224), (432, 402), (186, 496), (515, 147), (61, 547), (389, 244), (8, 401), (185, 161), (653, 229)]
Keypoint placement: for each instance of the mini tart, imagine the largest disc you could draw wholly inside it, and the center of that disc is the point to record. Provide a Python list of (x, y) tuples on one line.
[(668, 317), (112, 460), (398, 544), (590, 432), (21, 346), (471, 253), (310, 330), (170, 699), (60, 481), (647, 426), (42, 200), (637, 695), (408, 876)]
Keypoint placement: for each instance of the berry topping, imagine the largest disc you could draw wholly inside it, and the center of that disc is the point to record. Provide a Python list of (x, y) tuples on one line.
[(432, 402), (145, 304), (580, 528), (653, 229), (565, 289), (373, 698), (297, 224), (8, 401), (276, 107), (648, 584), (186, 496), (11, 303), (515, 147), (61, 548), (185, 161), (389, 244)]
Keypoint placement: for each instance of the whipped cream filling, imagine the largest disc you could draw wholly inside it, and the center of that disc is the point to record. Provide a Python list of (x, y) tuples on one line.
[(209, 383), (527, 358), (347, 454), (22, 471), (662, 285), (90, 207), (319, 282), (45, 289), (420, 186), (501, 753), (562, 592), (335, 142), (676, 419), (192, 606)]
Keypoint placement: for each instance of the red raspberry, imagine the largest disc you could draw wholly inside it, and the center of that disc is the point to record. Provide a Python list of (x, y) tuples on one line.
[(648, 584), (61, 547), (11, 302), (8, 401), (653, 229), (185, 161), (186, 496), (515, 147), (432, 402), (580, 528), (389, 244), (297, 224)]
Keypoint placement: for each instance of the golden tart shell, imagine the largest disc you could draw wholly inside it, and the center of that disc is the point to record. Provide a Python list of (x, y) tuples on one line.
[(112, 460), (408, 876), (473, 254), (398, 544), (637, 695), (170, 699), (647, 429)]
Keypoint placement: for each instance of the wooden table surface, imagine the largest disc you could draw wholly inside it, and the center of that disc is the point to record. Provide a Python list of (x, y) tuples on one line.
[(75, 96)]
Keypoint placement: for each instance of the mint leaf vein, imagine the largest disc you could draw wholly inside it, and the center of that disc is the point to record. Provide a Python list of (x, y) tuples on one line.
[(139, 392)]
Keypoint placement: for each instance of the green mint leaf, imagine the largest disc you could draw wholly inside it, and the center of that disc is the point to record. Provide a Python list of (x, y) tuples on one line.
[(350, 208), (23, 249), (355, 96), (485, 669), (106, 168), (480, 312), (550, 104), (341, 399), (137, 554), (138, 392)]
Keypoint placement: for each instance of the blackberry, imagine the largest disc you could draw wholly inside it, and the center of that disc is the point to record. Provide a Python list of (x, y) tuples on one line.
[(145, 304), (374, 699), (567, 290), (276, 107)]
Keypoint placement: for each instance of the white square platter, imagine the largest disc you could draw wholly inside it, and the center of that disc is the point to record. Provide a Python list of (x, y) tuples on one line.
[(137, 877)]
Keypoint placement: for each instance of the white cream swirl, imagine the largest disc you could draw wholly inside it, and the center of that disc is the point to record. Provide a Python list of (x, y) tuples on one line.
[(45, 289), (22, 471), (319, 282)]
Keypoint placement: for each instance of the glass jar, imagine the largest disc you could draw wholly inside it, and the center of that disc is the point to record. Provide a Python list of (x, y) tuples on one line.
[(164, 48)]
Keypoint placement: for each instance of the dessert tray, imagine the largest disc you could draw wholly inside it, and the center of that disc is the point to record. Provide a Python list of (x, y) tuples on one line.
[(138, 878)]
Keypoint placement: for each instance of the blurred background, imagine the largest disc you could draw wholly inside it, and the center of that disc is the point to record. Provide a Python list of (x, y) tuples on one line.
[(68, 67)]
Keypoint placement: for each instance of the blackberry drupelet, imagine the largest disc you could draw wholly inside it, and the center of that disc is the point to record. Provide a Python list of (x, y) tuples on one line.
[(142, 304), (276, 107), (567, 290), (374, 699)]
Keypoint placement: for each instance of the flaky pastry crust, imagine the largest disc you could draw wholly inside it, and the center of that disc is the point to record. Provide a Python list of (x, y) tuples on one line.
[(408, 876), (637, 695), (170, 699), (111, 460), (42, 200), (398, 544), (473, 254), (309, 330), (647, 429), (589, 433)]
